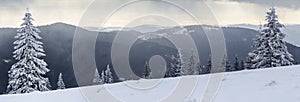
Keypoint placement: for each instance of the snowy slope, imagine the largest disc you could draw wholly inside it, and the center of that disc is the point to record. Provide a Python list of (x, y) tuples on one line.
[(263, 85)]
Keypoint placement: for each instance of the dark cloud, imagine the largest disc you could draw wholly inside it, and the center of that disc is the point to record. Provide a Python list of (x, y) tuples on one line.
[(293, 4)]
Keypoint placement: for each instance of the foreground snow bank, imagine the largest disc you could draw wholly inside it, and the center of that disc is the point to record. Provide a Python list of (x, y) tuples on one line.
[(263, 85)]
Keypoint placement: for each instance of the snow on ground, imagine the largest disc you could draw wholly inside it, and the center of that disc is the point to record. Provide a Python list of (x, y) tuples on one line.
[(262, 85)]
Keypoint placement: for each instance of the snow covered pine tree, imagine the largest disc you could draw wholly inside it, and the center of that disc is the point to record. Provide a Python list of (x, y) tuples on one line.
[(270, 49), (60, 82), (176, 68), (205, 69), (103, 77), (147, 71), (97, 80), (108, 75), (26, 75), (242, 65), (226, 64), (192, 68), (236, 64)]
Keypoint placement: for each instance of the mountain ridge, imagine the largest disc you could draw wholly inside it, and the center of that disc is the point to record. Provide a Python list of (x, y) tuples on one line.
[(58, 42)]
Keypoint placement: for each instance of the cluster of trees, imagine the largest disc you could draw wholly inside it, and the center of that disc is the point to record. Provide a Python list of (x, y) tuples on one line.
[(270, 50), (180, 68), (237, 65), (105, 77)]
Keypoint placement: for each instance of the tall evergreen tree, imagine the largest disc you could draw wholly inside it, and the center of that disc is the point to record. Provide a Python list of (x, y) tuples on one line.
[(270, 49), (60, 82), (147, 71), (97, 79), (108, 75), (27, 74)]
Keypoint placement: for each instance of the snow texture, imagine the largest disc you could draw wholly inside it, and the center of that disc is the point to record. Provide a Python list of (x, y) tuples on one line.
[(280, 84)]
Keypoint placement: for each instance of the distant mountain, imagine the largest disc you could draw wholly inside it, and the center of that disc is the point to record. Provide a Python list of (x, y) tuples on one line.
[(148, 28), (292, 32), (141, 28), (248, 26), (58, 39)]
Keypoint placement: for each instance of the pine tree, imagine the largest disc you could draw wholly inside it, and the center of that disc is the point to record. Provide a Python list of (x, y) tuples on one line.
[(60, 82), (248, 63), (171, 70), (27, 74), (206, 69), (208, 66), (198, 68), (108, 75), (97, 79), (103, 77), (242, 65), (236, 65), (226, 65), (176, 67), (192, 68), (180, 65), (270, 49), (203, 70), (147, 71)]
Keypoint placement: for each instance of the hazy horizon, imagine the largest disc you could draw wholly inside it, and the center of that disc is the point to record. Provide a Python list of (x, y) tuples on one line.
[(147, 24)]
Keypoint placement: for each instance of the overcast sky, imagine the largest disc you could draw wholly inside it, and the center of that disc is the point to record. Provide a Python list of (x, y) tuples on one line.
[(128, 13)]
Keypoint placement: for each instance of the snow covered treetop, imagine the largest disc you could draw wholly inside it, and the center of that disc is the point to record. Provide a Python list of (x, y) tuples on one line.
[(27, 19), (272, 18)]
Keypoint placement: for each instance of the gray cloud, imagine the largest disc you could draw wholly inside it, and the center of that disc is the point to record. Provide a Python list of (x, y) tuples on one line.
[(292, 4), (15, 2), (72, 11)]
